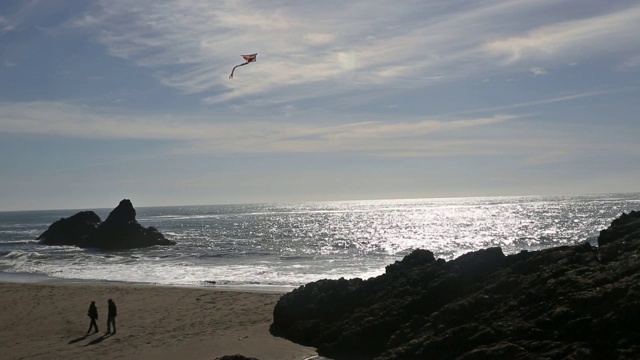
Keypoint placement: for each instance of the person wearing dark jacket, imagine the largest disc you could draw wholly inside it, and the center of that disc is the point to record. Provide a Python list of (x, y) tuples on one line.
[(93, 314), (111, 316)]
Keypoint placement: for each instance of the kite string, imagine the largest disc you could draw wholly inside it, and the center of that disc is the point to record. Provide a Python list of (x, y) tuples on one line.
[(234, 69)]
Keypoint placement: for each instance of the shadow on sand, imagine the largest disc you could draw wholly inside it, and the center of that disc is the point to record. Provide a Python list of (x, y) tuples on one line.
[(78, 339), (98, 340)]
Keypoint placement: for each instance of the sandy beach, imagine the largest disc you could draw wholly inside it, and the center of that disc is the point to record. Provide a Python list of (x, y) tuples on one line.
[(49, 321)]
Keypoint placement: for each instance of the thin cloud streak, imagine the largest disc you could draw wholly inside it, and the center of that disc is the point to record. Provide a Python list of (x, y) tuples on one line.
[(61, 119), (402, 139), (545, 101), (573, 39), (299, 45)]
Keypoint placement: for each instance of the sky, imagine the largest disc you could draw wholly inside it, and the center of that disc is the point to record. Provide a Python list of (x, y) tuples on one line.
[(348, 100)]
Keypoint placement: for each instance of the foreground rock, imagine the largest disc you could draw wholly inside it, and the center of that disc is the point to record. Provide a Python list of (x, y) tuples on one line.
[(625, 228), (577, 302), (70, 231), (119, 231)]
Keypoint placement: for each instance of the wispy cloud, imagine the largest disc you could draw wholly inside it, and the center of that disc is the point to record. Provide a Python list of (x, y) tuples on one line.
[(230, 136), (309, 50), (571, 40), (538, 71), (631, 63), (557, 99), (5, 25), (417, 138)]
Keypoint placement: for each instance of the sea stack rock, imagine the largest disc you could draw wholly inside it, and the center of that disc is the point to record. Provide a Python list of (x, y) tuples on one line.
[(70, 231), (122, 231)]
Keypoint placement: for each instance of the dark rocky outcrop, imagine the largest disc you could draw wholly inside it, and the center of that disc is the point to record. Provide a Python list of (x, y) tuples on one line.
[(70, 231), (122, 231), (235, 357), (119, 231), (626, 226), (574, 302)]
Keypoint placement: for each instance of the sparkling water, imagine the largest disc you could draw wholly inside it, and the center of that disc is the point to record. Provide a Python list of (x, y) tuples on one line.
[(286, 245)]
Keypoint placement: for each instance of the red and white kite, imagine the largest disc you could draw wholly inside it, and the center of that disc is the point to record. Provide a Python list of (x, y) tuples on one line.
[(248, 59)]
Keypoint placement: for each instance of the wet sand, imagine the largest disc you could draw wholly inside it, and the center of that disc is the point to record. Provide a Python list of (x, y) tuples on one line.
[(49, 321)]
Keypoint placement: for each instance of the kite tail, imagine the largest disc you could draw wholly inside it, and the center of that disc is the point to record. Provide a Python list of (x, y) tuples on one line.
[(234, 69)]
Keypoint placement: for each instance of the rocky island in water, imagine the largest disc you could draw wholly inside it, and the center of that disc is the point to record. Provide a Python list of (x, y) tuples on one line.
[(568, 302), (120, 231)]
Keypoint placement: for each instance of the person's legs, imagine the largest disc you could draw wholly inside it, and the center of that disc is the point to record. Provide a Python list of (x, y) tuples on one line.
[(111, 321), (92, 325)]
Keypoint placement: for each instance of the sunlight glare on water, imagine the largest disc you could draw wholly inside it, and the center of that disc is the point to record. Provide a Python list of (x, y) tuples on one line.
[(291, 244)]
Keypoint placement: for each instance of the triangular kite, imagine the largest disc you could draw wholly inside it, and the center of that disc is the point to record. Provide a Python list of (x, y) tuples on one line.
[(248, 59)]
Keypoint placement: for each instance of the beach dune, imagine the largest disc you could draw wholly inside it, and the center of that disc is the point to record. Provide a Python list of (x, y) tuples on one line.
[(49, 321)]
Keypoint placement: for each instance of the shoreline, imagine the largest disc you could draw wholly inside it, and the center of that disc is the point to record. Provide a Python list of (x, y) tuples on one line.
[(31, 278), (47, 320)]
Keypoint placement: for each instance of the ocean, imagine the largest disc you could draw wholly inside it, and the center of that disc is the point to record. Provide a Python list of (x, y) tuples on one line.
[(282, 246)]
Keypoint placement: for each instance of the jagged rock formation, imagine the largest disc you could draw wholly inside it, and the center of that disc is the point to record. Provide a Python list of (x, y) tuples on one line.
[(626, 227), (119, 231), (122, 231), (578, 302), (70, 231)]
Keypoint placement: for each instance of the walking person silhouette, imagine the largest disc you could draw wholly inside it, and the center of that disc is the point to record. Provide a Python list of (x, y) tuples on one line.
[(93, 314), (111, 316)]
